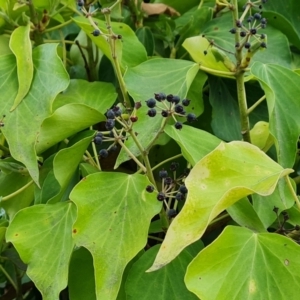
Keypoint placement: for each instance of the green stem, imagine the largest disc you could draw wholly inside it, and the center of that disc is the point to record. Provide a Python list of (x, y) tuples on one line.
[(38, 38), (259, 101), (200, 4), (4, 149), (9, 278), (216, 72), (17, 191), (167, 160), (59, 26), (216, 220), (155, 238), (91, 62), (96, 156), (287, 179)]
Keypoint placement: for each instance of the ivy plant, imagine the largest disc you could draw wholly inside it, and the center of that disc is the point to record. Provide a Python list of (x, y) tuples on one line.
[(149, 149)]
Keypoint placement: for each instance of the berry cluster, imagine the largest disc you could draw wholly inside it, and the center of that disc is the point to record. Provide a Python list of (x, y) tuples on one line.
[(105, 137), (255, 23), (169, 106), (173, 189)]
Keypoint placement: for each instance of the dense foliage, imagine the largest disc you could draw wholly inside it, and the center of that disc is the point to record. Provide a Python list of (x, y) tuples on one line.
[(149, 150)]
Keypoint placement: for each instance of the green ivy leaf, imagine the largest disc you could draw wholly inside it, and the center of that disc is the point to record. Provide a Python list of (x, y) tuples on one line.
[(283, 106), (20, 45), (42, 236), (194, 143), (230, 172), (50, 78), (123, 50), (98, 95), (114, 212), (64, 122), (158, 75), (166, 283), (145, 36), (241, 264)]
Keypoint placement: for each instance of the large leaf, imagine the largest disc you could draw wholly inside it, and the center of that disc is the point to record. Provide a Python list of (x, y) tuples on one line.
[(157, 75), (42, 237), (241, 264), (123, 49), (227, 174), (282, 88), (114, 213), (194, 143), (98, 95), (64, 122), (50, 78), (20, 45), (166, 283)]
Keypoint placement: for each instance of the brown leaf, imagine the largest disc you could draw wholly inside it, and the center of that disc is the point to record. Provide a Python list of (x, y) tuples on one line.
[(158, 9)]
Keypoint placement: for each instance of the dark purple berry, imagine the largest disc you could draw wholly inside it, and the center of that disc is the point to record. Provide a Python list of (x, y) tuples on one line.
[(171, 213), (178, 108), (186, 171), (204, 52), (262, 36), (243, 33), (110, 114), (80, 3), (160, 96), (96, 32), (103, 153), (182, 189), (178, 125), (232, 30), (163, 174), (110, 124), (113, 148), (257, 16), (247, 45), (169, 98), (263, 26), (237, 45), (100, 134), (191, 117), (133, 119), (151, 112), (179, 196), (250, 19), (263, 21), (174, 166), (238, 23), (175, 99), (165, 113), (117, 111), (186, 102), (263, 45), (168, 180), (98, 140), (137, 105), (151, 103), (150, 188), (253, 30), (161, 196)]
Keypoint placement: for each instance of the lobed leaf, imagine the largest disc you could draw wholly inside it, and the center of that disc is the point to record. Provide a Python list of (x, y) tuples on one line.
[(241, 264), (227, 174)]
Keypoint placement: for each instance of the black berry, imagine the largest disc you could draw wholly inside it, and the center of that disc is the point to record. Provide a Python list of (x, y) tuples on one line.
[(151, 112), (175, 99), (160, 96), (182, 189), (257, 16), (96, 32), (179, 196), (237, 45), (103, 153), (163, 173), (169, 98), (117, 111), (165, 113), (150, 188), (178, 125), (110, 114), (238, 23), (263, 21), (262, 36), (233, 30), (161, 196), (110, 124), (171, 213), (113, 148), (247, 45), (174, 166), (168, 180), (137, 105), (186, 102), (98, 140), (151, 103), (178, 108), (253, 30), (243, 33), (250, 19), (263, 45), (80, 3), (205, 52), (191, 117)]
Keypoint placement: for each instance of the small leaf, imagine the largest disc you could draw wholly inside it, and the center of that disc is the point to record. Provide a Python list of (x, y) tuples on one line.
[(145, 36), (166, 283), (20, 45), (42, 237), (194, 143), (249, 267), (230, 172), (261, 137), (114, 212)]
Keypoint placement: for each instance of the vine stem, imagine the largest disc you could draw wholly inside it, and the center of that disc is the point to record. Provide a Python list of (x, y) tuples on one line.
[(259, 101), (34, 19), (287, 179), (167, 160), (59, 26), (9, 278), (17, 191)]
